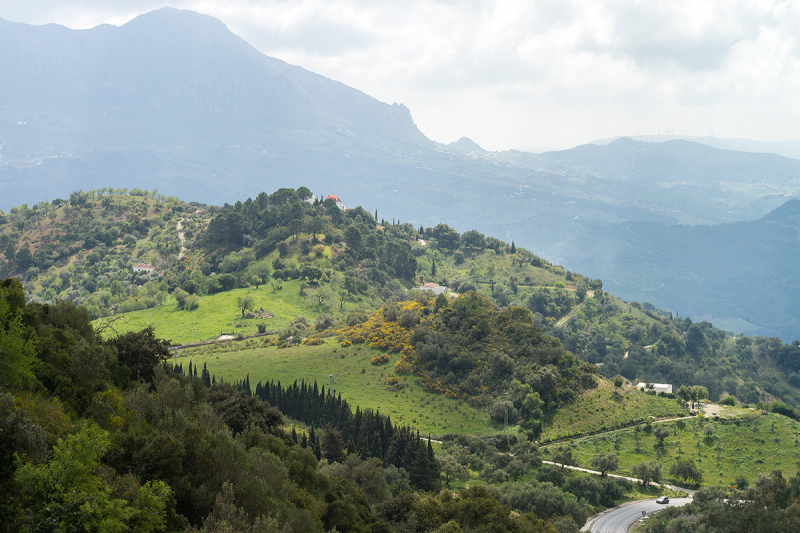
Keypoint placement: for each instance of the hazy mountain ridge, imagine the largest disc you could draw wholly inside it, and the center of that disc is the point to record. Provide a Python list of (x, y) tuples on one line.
[(728, 273), (784, 148), (180, 65), (174, 101)]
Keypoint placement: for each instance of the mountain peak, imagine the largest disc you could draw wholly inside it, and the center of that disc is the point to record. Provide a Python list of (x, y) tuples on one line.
[(465, 143), (177, 18)]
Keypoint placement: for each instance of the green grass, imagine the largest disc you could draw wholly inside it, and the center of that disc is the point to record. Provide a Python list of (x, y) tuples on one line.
[(606, 407), (485, 265), (360, 382), (756, 444), (219, 313)]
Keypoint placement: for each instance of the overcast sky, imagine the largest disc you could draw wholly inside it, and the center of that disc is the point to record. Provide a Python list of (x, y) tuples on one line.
[(528, 74)]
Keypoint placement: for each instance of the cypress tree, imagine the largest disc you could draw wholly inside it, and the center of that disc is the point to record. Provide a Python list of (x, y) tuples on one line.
[(206, 376), (302, 401), (332, 445), (386, 436), (313, 443), (433, 268)]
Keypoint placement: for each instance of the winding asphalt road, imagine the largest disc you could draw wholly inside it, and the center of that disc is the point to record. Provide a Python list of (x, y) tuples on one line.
[(618, 520)]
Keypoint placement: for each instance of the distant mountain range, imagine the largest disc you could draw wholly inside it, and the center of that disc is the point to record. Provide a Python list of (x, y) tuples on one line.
[(173, 100), (784, 148), (740, 276)]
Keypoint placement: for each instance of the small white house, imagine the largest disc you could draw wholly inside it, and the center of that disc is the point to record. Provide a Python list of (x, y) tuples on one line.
[(435, 288), (142, 267), (658, 387)]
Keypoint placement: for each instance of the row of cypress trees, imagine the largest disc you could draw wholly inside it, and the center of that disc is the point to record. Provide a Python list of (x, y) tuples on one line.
[(365, 432)]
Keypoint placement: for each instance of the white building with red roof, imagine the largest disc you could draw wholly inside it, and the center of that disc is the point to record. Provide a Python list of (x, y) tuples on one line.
[(338, 201)]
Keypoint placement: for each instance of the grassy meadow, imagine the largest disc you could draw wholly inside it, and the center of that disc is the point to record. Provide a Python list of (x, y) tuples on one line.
[(359, 381), (606, 407), (218, 313), (751, 444)]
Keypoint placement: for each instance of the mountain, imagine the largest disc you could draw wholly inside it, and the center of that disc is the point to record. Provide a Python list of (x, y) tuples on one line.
[(182, 68), (174, 101), (466, 144), (784, 148), (741, 276)]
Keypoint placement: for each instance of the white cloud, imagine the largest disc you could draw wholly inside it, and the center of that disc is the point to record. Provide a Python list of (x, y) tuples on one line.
[(525, 74)]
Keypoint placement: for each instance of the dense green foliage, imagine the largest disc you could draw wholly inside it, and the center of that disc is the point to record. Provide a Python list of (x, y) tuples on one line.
[(83, 249), (88, 448), (470, 348), (772, 504)]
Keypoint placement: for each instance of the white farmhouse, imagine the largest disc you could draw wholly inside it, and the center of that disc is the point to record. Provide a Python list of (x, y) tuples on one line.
[(658, 387), (142, 267)]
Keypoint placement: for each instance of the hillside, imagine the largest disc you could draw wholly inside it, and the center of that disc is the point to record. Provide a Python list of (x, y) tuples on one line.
[(356, 359), (296, 258)]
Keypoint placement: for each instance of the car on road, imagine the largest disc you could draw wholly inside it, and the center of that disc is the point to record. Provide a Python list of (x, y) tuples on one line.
[(662, 499)]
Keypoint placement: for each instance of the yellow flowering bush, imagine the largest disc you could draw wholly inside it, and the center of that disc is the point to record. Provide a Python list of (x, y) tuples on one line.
[(380, 332)]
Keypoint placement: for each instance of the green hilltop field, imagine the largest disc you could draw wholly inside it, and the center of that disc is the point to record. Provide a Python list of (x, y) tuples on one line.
[(355, 378)]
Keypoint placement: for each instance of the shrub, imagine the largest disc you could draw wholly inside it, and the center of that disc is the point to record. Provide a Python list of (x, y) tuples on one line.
[(262, 328), (191, 302), (324, 321), (380, 360)]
